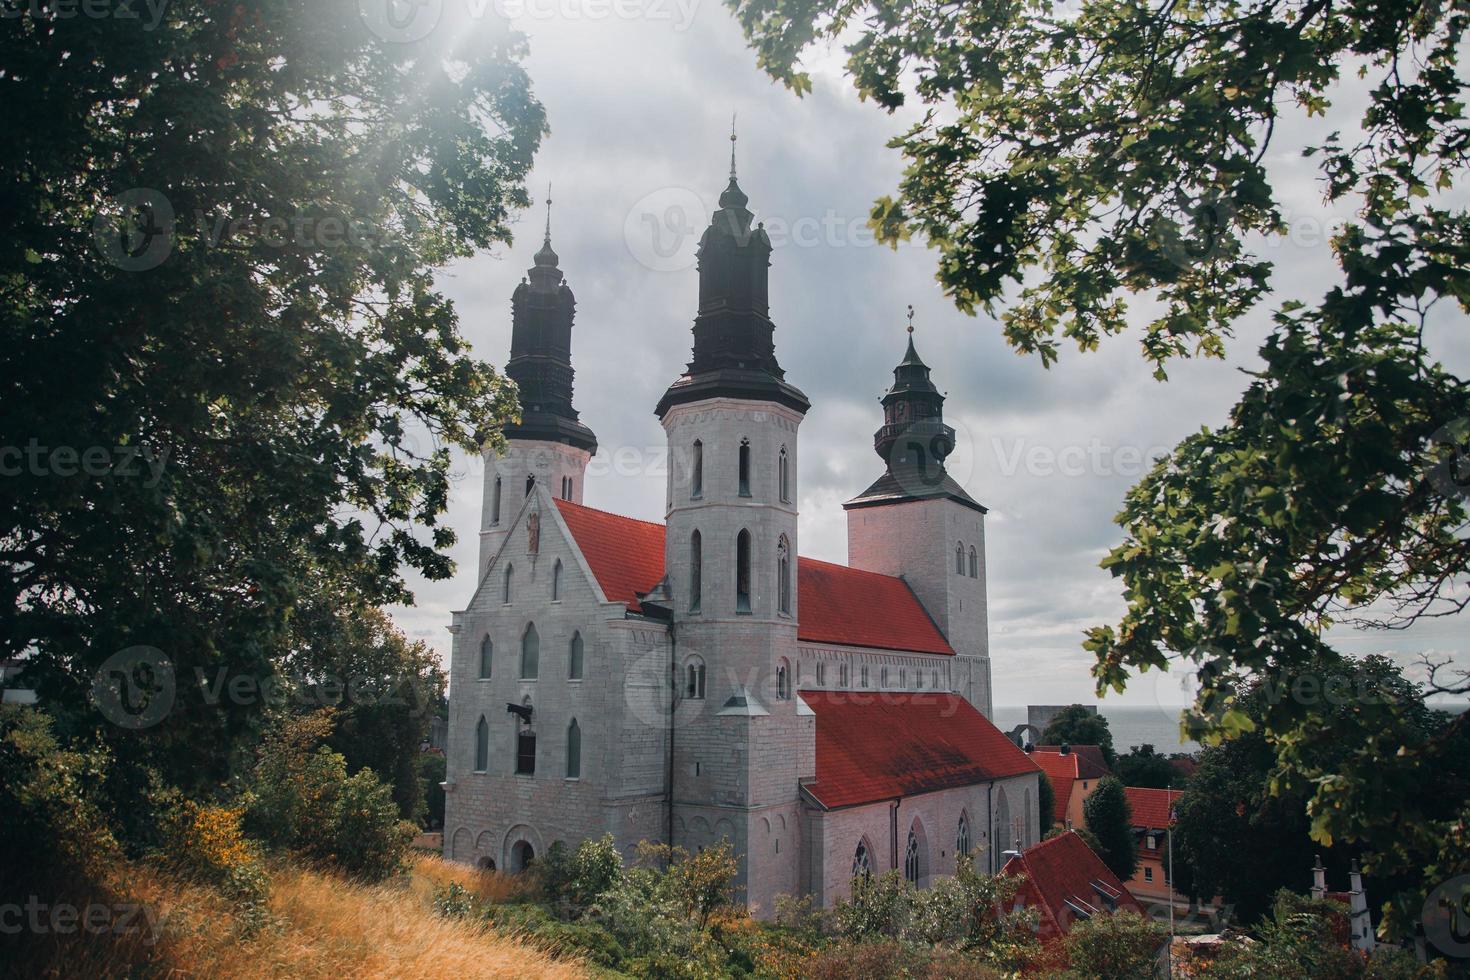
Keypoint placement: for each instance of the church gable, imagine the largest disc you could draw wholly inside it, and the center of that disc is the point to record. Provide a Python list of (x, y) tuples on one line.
[(538, 560)]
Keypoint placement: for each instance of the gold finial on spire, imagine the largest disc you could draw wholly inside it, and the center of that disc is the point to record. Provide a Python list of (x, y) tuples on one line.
[(911, 318), (732, 145)]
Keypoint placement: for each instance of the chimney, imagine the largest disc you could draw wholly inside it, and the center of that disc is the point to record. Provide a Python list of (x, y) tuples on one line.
[(1362, 922), (1066, 749), (1029, 748), (1319, 879)]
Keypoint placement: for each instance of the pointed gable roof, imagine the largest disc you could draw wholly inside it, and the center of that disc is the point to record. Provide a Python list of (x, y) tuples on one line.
[(874, 745), (1062, 771), (1066, 881), (1153, 809), (838, 605)]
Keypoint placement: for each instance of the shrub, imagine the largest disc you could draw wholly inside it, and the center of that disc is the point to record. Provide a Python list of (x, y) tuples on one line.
[(301, 798), (205, 843), (571, 881), (54, 835), (1121, 946)]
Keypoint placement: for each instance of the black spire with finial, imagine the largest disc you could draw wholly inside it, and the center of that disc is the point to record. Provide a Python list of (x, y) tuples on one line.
[(913, 441), (734, 343), (541, 352)]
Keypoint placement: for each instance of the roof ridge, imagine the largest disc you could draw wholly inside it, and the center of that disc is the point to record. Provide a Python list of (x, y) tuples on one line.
[(597, 510)]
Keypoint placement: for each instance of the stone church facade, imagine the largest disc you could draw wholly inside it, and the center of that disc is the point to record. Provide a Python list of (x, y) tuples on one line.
[(697, 680)]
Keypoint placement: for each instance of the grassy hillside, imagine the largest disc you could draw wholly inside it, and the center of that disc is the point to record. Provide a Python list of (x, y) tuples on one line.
[(317, 925)]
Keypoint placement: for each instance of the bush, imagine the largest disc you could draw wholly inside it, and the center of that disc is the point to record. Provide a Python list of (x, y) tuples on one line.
[(205, 843), (54, 835), (302, 799), (1121, 946), (572, 881)]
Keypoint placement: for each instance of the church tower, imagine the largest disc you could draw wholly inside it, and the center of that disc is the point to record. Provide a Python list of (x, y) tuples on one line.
[(916, 522), (742, 739), (550, 446)]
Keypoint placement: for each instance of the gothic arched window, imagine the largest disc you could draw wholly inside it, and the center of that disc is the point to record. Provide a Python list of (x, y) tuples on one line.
[(783, 467), (556, 581), (526, 752), (510, 575), (696, 570), (783, 680), (487, 656), (962, 838), (482, 745), (911, 859), (959, 558), (745, 467), (495, 504), (783, 573), (530, 654), (574, 658), (696, 464), (742, 572), (574, 750), (862, 861), (974, 563)]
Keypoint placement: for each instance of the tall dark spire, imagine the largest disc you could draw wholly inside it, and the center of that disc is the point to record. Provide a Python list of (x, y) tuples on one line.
[(541, 352), (734, 344), (913, 441)]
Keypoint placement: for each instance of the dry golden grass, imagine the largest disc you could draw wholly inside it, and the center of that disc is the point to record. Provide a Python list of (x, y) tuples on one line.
[(322, 927)]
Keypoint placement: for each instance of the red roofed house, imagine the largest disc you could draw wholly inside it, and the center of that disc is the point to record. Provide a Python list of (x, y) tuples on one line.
[(827, 720), (1153, 814), (1074, 772), (1067, 882)]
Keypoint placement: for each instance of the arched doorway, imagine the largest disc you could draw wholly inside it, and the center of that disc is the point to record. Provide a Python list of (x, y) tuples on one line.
[(522, 855)]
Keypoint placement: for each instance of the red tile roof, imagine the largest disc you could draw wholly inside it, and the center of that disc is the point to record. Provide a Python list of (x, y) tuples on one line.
[(1090, 761), (1151, 807), (840, 605), (879, 745), (1066, 881), (1062, 771), (626, 555)]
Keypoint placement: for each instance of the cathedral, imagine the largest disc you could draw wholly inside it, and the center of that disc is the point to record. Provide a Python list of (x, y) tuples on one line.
[(698, 680)]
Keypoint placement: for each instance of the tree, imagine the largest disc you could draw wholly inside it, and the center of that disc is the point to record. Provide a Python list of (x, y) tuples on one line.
[(1120, 149), (1142, 766), (1110, 819), (1046, 802), (385, 691), (1075, 725), (1238, 839), (217, 289)]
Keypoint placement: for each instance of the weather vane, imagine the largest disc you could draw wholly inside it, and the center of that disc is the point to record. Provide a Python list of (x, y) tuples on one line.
[(732, 145), (548, 210), (911, 318)]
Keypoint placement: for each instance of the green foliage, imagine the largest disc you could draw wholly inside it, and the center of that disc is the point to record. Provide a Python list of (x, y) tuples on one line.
[(55, 834), (969, 912), (1046, 802), (1302, 940), (204, 842), (889, 960), (1142, 766), (287, 362), (1121, 946), (385, 691), (432, 769), (454, 901), (302, 799), (1074, 159), (1110, 819), (571, 882), (1075, 725)]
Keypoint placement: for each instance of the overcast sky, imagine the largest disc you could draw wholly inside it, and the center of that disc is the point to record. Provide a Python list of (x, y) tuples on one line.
[(640, 111)]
